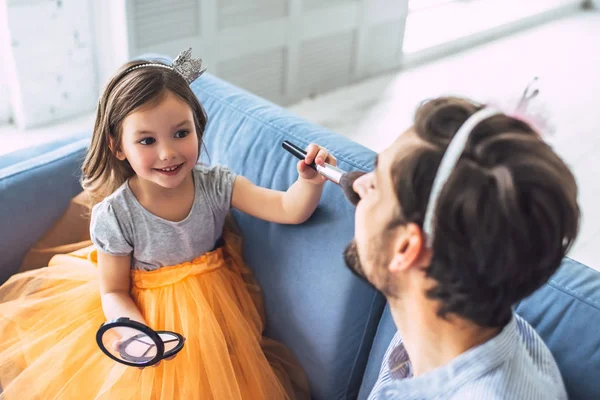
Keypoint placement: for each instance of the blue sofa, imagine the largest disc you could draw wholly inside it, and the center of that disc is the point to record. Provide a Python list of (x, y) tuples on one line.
[(338, 327)]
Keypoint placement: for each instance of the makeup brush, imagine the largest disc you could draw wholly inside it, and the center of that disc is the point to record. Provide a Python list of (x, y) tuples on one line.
[(337, 175), (346, 184)]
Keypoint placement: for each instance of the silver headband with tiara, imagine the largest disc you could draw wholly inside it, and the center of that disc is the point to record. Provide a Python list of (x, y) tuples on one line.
[(449, 161), (186, 66)]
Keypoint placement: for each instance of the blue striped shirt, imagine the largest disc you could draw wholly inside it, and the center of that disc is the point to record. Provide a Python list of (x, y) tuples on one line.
[(515, 364)]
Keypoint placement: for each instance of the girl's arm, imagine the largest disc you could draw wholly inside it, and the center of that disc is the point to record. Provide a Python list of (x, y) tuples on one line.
[(115, 284), (295, 205)]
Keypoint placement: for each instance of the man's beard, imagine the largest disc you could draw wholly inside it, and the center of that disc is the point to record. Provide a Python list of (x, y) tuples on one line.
[(353, 263), (352, 260)]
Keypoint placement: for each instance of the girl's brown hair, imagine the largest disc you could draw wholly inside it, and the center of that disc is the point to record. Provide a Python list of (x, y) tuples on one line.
[(125, 92)]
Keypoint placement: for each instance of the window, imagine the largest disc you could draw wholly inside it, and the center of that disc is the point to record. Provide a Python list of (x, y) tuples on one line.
[(431, 23)]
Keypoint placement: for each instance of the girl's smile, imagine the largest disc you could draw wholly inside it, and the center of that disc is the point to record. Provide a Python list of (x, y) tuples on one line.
[(171, 170)]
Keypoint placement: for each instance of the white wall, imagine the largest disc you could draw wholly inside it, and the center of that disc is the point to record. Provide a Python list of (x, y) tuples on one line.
[(111, 41), (52, 72), (5, 109), (100, 48), (283, 50)]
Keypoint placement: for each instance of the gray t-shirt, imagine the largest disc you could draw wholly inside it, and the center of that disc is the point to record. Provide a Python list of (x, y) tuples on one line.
[(120, 225)]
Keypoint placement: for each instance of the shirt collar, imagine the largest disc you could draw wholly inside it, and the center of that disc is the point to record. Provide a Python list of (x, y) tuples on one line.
[(467, 367)]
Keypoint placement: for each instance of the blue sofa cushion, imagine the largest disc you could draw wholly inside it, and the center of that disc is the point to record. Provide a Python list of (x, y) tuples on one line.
[(385, 332), (314, 305), (566, 314), (36, 185)]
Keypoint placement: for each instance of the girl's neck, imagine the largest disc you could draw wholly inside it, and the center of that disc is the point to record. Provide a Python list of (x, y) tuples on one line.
[(169, 204)]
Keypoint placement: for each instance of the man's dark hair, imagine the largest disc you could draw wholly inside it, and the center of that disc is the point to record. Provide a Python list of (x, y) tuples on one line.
[(505, 218)]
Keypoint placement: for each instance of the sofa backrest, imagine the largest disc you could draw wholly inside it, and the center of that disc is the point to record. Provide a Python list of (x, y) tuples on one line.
[(315, 306), (566, 314)]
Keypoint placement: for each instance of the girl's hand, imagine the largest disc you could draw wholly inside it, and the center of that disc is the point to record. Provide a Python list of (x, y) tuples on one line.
[(320, 156)]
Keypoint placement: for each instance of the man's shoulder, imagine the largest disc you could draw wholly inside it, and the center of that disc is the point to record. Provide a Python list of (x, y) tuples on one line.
[(495, 385), (501, 384), (517, 365), (529, 373)]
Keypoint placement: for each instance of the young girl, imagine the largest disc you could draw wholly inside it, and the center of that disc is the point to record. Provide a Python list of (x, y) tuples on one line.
[(157, 260)]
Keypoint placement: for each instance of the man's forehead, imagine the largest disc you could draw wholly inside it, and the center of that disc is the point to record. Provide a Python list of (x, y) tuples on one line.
[(404, 143)]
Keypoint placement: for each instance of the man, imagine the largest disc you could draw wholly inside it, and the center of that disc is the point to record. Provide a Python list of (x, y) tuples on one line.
[(467, 213)]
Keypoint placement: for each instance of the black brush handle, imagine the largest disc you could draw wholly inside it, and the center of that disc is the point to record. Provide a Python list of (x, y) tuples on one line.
[(297, 152)]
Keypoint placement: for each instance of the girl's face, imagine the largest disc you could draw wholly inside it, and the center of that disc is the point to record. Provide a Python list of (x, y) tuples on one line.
[(160, 142)]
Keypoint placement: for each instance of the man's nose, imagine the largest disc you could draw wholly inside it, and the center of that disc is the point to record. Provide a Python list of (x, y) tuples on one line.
[(360, 185), (347, 183)]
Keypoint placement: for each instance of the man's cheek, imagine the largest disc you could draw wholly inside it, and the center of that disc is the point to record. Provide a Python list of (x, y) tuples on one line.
[(361, 224)]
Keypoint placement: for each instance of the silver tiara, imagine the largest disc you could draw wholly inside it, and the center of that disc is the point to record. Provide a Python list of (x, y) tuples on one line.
[(186, 66)]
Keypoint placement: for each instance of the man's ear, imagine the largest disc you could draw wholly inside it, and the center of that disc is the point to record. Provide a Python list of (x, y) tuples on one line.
[(408, 248), (117, 152)]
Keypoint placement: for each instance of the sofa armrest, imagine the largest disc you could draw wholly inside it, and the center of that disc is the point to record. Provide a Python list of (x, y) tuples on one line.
[(36, 186)]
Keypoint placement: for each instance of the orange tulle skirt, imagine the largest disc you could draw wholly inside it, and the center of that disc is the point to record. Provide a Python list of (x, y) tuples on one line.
[(49, 318)]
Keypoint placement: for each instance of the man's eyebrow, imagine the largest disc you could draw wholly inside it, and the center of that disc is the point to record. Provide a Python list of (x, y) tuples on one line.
[(375, 170)]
